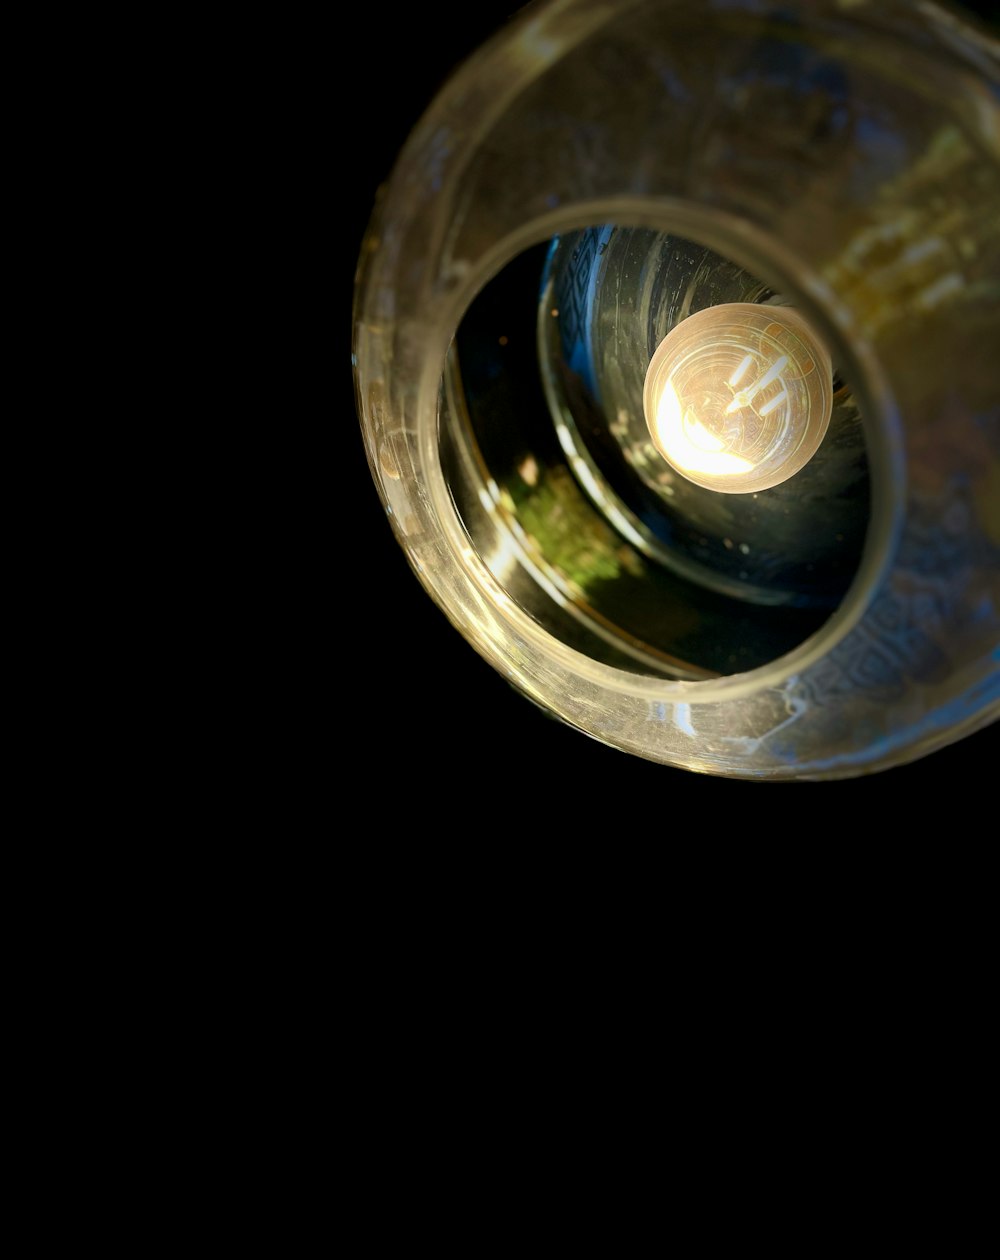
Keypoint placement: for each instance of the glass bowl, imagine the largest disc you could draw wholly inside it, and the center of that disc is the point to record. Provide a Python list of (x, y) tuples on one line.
[(839, 158)]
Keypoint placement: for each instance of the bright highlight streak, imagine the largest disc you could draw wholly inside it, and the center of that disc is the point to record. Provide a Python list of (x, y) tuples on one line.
[(740, 372), (746, 396), (771, 375), (769, 407), (700, 436), (680, 442)]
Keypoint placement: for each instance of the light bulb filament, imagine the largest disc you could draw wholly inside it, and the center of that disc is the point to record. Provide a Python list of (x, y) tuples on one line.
[(746, 396), (770, 406), (772, 374), (737, 376)]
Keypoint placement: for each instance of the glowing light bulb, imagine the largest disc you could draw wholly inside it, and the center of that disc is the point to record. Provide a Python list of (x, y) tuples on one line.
[(738, 396)]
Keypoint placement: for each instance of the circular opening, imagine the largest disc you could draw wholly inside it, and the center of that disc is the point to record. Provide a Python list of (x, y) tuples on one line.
[(605, 543)]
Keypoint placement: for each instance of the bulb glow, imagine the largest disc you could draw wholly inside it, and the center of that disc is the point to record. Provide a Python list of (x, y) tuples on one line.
[(738, 397)]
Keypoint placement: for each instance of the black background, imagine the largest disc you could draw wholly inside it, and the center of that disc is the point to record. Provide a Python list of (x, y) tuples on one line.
[(427, 710)]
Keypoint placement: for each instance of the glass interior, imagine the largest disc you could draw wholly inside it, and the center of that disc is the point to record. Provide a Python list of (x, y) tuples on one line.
[(547, 421)]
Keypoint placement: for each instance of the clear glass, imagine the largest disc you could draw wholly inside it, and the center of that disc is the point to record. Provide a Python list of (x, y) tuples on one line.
[(793, 551), (848, 155)]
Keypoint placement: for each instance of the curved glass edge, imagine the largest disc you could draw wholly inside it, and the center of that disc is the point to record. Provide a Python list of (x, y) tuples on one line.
[(750, 726)]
